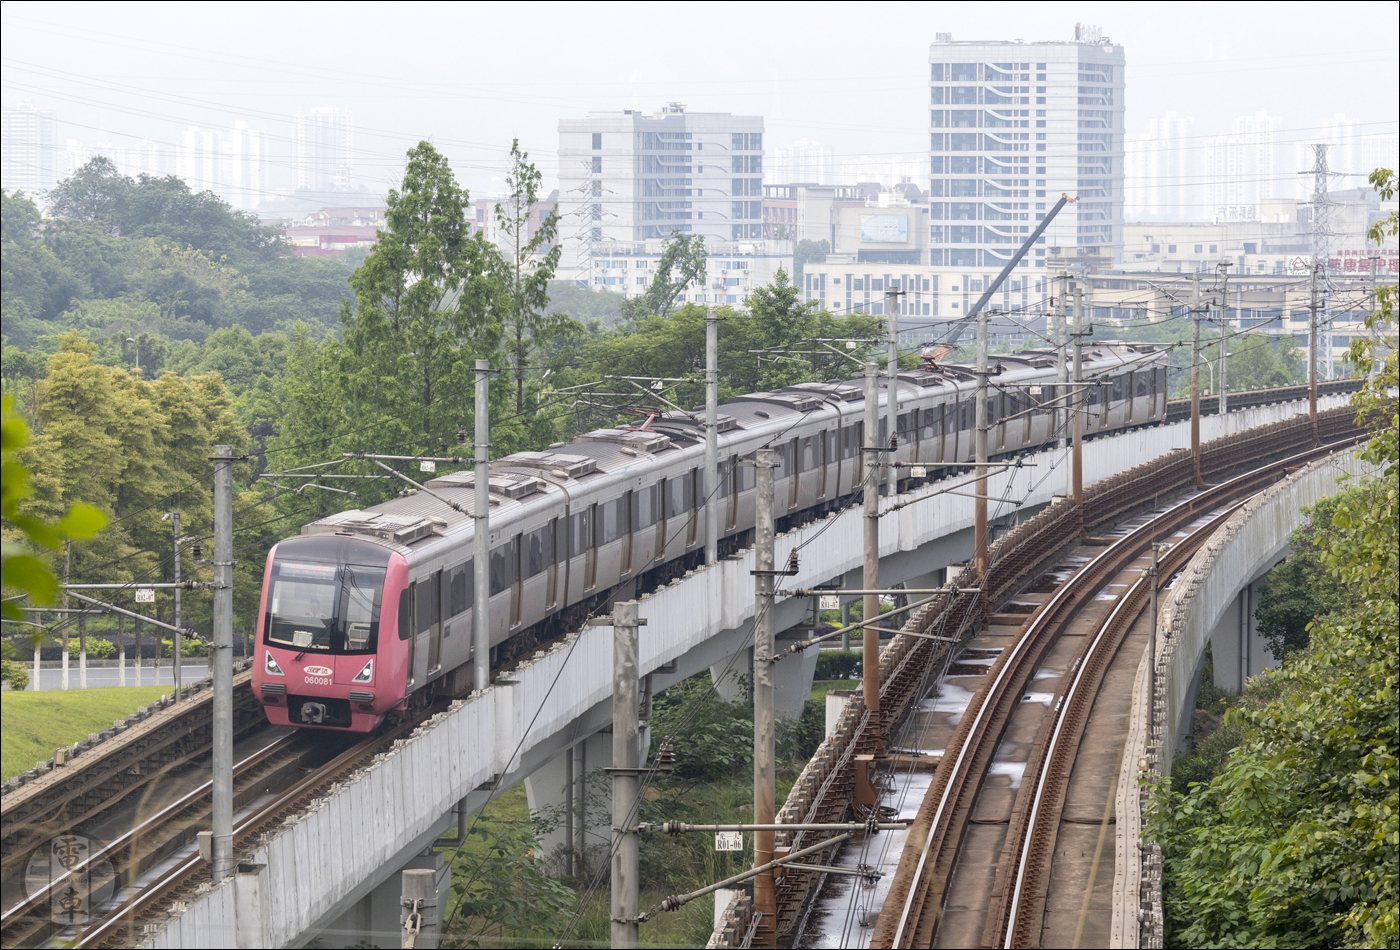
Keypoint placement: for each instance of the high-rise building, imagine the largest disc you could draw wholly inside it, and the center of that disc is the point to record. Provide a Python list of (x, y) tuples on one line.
[(1012, 126), (629, 176), (1158, 180), (28, 149), (199, 159), (802, 161), (1241, 168), (246, 165), (325, 149)]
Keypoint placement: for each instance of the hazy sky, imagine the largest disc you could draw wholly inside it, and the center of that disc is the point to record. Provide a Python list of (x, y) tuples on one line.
[(470, 77)]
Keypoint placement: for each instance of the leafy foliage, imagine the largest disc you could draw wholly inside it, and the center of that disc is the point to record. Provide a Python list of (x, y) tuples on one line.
[(25, 531), (1295, 842), (806, 252), (532, 261)]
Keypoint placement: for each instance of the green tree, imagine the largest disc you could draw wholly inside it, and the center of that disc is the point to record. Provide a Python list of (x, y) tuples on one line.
[(426, 305), (681, 264), (95, 192), (807, 252), (1296, 841), (532, 261), (25, 532)]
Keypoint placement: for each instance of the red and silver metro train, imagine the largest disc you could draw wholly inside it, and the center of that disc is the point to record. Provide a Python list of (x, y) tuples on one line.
[(367, 612)]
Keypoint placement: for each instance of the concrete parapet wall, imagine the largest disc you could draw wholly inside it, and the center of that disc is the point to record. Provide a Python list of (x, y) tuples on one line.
[(1242, 547), (306, 872), (1239, 551)]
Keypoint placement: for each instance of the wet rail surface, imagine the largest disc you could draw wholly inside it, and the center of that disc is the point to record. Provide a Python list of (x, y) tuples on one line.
[(982, 863)]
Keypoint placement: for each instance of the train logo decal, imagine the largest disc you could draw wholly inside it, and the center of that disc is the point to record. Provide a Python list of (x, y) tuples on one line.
[(317, 670)]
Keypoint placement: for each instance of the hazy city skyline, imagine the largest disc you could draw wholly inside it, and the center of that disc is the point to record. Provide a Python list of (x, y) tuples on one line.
[(122, 79)]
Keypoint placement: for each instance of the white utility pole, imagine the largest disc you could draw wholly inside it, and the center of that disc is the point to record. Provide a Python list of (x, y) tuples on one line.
[(626, 776), (892, 385), (1196, 377), (1224, 325), (979, 530), (177, 646), (418, 909), (221, 664), (765, 787), (1077, 463), (1312, 352), (1061, 415), (481, 541), (870, 636), (712, 494)]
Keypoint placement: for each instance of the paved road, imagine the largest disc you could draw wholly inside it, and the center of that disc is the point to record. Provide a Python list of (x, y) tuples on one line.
[(98, 677)]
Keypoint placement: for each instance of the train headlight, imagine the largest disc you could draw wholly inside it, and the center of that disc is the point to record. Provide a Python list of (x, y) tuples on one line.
[(270, 665), (365, 675)]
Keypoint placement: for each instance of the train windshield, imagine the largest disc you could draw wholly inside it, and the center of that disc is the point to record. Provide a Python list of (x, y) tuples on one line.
[(324, 608)]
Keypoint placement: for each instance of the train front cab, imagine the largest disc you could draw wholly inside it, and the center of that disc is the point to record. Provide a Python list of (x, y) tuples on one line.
[(329, 655)]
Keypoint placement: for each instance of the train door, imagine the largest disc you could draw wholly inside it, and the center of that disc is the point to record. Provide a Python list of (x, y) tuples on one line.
[(729, 478), (428, 630), (552, 545), (406, 629), (827, 452), (587, 539), (517, 593)]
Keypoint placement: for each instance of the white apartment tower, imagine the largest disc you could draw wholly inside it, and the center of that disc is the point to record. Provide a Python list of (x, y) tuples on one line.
[(802, 161), (245, 160), (325, 149), (1240, 168), (627, 177), (199, 161), (1012, 126), (1158, 181), (27, 150)]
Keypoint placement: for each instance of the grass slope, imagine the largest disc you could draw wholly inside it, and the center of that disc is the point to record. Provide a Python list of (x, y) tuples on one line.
[(33, 724)]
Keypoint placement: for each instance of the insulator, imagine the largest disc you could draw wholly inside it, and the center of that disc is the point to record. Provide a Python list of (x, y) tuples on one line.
[(792, 563), (197, 550), (461, 435)]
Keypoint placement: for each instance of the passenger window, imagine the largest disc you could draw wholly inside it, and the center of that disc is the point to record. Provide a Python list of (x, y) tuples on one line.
[(616, 519), (539, 550), (462, 586), (427, 612), (680, 495), (748, 475), (852, 440), (646, 505), (502, 568), (809, 453), (580, 532), (405, 613)]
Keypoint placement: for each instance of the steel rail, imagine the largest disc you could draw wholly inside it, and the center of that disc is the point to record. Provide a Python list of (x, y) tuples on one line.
[(991, 696), (1066, 708), (128, 837), (150, 896)]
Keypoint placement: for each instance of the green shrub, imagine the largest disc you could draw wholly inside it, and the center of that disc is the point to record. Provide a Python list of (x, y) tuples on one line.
[(838, 665), (96, 649)]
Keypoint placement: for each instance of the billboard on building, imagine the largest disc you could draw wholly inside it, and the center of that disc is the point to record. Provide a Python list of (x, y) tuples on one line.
[(884, 228)]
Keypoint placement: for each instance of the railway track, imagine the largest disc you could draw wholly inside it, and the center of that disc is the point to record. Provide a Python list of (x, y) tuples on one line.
[(124, 924), (113, 766), (152, 839), (1178, 409), (1015, 896), (825, 787)]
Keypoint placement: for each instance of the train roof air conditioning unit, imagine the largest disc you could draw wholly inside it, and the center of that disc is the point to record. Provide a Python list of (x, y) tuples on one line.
[(638, 440), (505, 484), (574, 466), (400, 529)]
